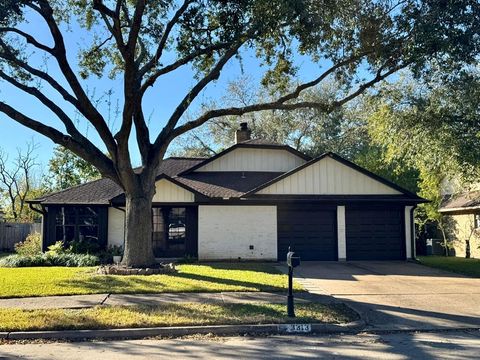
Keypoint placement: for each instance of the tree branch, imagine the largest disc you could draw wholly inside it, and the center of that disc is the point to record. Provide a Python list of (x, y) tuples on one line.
[(94, 117), (94, 156), (163, 40), (28, 38), (280, 104), (192, 94), (69, 125), (180, 62)]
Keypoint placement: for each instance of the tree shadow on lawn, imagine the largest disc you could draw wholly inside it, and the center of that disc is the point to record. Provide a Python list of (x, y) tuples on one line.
[(251, 266), (171, 314), (178, 282)]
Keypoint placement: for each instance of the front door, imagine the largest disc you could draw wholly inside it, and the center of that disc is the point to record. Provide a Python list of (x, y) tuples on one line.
[(169, 231)]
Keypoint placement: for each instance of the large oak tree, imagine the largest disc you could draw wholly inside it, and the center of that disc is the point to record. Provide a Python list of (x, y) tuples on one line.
[(357, 42)]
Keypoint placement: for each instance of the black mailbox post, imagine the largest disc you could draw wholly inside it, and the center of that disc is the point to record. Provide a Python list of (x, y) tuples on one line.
[(293, 260)]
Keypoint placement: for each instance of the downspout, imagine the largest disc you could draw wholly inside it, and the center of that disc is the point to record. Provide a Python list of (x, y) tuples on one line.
[(412, 231)]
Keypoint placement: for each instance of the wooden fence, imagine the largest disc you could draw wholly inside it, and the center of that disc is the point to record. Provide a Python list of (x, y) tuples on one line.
[(12, 233)]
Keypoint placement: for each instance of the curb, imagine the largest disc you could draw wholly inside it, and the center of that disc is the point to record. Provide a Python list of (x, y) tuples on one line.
[(177, 331)]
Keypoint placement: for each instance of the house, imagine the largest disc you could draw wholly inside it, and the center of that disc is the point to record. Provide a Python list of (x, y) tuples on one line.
[(251, 201), (462, 215)]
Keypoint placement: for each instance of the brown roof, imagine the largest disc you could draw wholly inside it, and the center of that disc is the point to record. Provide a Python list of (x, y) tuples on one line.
[(261, 142), (100, 192), (226, 184), (210, 184), (461, 202)]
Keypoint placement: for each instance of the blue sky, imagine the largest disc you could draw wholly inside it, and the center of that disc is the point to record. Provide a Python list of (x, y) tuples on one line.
[(159, 102)]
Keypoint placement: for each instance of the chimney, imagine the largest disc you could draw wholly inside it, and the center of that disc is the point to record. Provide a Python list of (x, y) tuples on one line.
[(243, 134)]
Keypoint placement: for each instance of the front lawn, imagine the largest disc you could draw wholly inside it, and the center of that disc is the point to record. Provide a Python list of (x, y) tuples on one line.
[(213, 277), (458, 265), (173, 314)]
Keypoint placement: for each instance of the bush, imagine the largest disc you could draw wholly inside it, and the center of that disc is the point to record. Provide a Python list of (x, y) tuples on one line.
[(85, 246), (49, 259), (57, 249), (31, 246)]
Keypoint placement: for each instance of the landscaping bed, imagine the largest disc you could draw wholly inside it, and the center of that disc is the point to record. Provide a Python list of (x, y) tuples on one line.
[(470, 267), (212, 277), (172, 314)]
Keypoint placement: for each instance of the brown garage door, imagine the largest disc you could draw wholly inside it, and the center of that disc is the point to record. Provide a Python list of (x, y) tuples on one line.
[(375, 234), (311, 233)]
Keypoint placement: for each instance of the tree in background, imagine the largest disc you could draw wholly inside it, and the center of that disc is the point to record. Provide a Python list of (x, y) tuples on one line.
[(359, 43), (65, 169), (433, 127), (309, 130), (18, 183), (344, 131)]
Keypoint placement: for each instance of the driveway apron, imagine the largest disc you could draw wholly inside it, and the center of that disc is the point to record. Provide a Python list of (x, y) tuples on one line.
[(397, 295)]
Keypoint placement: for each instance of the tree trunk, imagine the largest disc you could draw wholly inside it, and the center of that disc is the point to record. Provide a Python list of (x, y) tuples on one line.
[(138, 251)]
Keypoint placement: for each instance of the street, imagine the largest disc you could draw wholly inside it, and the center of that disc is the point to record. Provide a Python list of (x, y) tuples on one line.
[(440, 345)]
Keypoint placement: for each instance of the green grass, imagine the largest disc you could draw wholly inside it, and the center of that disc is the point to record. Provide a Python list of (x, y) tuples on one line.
[(173, 314), (470, 267), (214, 277)]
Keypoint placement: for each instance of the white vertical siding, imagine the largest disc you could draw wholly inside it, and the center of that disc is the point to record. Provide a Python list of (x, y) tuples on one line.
[(247, 159), (328, 177), (227, 232), (408, 232), (166, 191), (341, 233), (116, 227)]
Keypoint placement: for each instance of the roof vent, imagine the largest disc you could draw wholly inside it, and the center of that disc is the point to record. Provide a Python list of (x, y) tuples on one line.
[(243, 134)]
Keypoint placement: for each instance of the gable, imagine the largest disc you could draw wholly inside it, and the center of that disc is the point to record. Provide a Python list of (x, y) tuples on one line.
[(328, 176), (254, 159), (167, 191)]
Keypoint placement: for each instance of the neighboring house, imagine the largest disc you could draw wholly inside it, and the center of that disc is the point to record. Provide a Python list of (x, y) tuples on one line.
[(251, 201), (462, 212)]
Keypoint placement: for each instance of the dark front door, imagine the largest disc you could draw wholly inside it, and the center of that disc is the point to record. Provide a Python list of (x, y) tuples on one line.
[(310, 231), (174, 231), (375, 234)]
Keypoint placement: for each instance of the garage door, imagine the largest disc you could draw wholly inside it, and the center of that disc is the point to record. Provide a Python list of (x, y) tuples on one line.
[(311, 233), (375, 234)]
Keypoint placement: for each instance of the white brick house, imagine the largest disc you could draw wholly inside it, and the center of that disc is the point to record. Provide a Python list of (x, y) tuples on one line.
[(251, 202)]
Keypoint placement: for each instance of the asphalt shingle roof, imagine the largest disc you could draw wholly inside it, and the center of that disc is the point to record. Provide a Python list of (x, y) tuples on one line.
[(226, 184), (210, 184), (465, 201), (100, 192)]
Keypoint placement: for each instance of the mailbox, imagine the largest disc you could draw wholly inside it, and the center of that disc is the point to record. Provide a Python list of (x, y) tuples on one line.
[(293, 260)]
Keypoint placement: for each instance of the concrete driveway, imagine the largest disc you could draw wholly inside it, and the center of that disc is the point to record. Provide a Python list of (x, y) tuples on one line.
[(397, 295)]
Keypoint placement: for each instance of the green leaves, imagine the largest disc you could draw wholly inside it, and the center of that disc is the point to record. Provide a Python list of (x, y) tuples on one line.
[(66, 170)]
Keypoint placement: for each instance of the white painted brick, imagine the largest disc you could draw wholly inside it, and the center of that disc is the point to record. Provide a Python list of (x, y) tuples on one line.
[(226, 232), (116, 226), (341, 233)]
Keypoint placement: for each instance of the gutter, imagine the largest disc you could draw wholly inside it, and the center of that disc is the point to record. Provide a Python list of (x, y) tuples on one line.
[(412, 231), (42, 212)]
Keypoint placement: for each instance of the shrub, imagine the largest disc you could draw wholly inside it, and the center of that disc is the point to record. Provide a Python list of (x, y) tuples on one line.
[(49, 259), (85, 246), (31, 246), (56, 249)]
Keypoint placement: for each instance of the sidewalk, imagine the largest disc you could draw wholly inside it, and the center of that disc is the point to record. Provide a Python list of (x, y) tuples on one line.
[(88, 301)]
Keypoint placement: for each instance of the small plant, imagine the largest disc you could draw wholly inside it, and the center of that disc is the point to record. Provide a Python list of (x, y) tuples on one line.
[(115, 250), (50, 259), (85, 246), (56, 248), (31, 246)]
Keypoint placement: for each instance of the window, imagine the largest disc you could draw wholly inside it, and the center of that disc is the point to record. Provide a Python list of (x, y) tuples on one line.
[(176, 226), (169, 231), (476, 221), (77, 223)]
